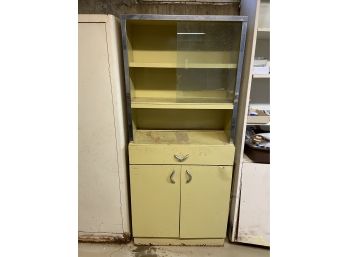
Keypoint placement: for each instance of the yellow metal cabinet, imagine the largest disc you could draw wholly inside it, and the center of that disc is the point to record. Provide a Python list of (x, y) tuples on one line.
[(174, 201), (155, 196), (182, 76), (205, 192)]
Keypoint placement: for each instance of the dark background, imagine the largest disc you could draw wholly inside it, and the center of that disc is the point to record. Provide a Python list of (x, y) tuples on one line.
[(199, 7)]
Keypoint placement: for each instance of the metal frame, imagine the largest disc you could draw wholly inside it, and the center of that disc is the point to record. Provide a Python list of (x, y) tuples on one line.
[(243, 19), (238, 81)]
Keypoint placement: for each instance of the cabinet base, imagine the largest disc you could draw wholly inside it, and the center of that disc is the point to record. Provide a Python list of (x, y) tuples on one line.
[(177, 241)]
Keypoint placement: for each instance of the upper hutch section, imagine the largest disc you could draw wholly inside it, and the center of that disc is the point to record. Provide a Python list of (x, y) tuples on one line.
[(183, 44), (183, 63)]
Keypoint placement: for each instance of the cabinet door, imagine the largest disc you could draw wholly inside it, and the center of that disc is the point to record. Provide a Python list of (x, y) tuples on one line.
[(205, 197), (155, 197)]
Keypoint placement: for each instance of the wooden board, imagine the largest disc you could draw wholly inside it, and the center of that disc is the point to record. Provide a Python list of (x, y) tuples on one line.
[(204, 201)]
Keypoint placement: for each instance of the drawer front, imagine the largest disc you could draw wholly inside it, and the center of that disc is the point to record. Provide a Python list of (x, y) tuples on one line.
[(181, 154)]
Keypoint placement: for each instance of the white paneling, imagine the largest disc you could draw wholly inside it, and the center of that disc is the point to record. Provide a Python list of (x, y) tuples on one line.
[(103, 204), (254, 224), (248, 8)]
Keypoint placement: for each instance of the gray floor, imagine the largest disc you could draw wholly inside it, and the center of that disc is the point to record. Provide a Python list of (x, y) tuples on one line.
[(130, 250)]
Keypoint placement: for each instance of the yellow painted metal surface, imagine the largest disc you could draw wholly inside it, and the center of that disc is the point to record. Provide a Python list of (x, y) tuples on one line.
[(204, 201), (179, 119), (160, 84), (145, 55), (155, 200), (155, 45), (178, 241), (180, 125), (196, 154), (198, 137), (172, 103)]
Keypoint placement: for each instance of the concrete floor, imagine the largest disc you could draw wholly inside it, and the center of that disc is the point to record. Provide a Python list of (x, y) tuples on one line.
[(130, 250)]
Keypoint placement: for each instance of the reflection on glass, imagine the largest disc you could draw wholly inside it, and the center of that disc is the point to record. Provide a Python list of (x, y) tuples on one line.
[(207, 56)]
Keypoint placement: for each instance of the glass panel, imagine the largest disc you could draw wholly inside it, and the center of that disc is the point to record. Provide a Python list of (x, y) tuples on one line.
[(207, 57)]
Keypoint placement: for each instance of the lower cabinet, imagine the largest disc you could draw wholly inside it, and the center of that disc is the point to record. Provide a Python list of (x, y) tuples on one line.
[(180, 201)]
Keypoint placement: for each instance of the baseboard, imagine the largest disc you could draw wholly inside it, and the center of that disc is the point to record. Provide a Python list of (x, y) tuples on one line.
[(91, 237), (177, 241)]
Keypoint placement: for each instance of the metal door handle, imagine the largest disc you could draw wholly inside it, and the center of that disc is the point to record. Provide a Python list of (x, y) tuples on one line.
[(189, 177), (171, 177), (181, 158)]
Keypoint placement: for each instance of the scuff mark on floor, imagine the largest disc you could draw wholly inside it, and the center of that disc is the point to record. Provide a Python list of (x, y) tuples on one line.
[(145, 251)]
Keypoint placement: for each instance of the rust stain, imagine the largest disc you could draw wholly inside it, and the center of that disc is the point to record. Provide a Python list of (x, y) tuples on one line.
[(153, 137), (182, 137)]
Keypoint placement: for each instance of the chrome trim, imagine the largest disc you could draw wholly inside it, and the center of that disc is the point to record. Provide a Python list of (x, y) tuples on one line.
[(181, 158), (171, 177), (127, 79), (185, 17), (238, 82), (190, 177)]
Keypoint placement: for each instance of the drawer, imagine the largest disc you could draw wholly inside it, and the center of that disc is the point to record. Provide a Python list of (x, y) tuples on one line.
[(181, 154)]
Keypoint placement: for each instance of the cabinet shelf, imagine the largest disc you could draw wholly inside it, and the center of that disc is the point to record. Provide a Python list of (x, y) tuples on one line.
[(258, 120), (264, 30), (191, 103), (204, 137), (261, 76), (186, 66)]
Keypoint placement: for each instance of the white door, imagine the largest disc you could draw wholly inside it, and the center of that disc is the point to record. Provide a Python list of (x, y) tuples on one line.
[(99, 190)]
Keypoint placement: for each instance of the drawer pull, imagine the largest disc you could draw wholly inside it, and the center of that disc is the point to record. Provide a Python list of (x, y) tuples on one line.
[(181, 158), (189, 177), (171, 177)]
